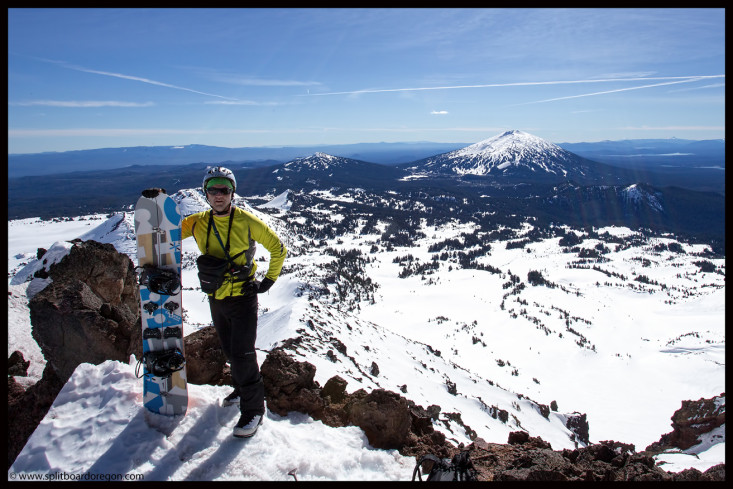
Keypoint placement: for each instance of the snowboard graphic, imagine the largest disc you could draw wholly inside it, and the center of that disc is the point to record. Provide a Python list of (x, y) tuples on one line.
[(158, 232)]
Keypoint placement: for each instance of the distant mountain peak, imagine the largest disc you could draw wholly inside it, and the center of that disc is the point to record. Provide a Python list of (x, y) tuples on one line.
[(511, 153), (319, 154), (316, 161), (643, 195), (510, 145)]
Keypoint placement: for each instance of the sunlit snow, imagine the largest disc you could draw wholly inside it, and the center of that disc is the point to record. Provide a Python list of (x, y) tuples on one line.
[(646, 348)]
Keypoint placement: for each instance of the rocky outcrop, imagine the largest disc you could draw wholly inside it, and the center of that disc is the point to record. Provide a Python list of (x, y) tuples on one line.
[(384, 416), (27, 407), (17, 365), (88, 313), (205, 361), (389, 420), (691, 421), (527, 458), (577, 423)]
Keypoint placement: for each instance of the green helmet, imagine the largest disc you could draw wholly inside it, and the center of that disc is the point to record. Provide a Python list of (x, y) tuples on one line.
[(219, 172)]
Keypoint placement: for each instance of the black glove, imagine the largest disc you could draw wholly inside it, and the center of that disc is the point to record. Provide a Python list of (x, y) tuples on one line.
[(265, 285)]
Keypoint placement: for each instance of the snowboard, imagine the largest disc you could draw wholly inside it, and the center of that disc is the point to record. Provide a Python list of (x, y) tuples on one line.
[(158, 233)]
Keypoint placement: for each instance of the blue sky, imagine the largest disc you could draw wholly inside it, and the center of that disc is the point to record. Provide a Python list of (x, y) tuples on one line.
[(94, 78)]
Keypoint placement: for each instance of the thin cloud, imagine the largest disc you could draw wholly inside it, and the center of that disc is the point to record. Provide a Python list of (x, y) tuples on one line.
[(610, 91), (145, 80), (242, 102), (81, 103), (232, 78), (96, 132), (115, 132), (130, 77), (714, 85), (439, 112), (261, 82), (517, 84), (627, 74)]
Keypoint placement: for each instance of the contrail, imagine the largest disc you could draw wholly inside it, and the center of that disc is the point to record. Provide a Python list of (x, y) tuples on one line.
[(144, 80), (126, 77), (517, 84), (608, 91)]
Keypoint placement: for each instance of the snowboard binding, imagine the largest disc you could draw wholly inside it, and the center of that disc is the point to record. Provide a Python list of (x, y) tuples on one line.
[(158, 281), (161, 364)]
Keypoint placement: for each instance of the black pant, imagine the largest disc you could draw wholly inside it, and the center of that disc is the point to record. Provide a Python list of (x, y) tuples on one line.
[(235, 321)]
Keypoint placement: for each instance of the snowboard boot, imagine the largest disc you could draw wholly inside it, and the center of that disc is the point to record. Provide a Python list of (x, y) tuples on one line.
[(247, 425)]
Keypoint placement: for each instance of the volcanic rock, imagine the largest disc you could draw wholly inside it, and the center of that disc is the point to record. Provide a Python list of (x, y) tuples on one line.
[(89, 312), (17, 365), (205, 360), (691, 421)]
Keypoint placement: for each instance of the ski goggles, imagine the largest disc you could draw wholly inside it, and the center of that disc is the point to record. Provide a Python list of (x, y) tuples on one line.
[(219, 190)]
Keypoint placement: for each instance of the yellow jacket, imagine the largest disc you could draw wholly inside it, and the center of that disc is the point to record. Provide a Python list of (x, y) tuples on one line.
[(246, 230)]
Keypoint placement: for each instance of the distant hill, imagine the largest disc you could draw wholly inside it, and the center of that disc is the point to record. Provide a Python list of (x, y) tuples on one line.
[(662, 152), (111, 158), (512, 174), (654, 153)]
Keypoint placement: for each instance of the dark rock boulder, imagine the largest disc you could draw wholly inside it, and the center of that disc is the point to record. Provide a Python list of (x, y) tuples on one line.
[(110, 274), (17, 364), (335, 389), (691, 421), (73, 325), (289, 385), (205, 360), (527, 458), (89, 312), (578, 424), (27, 407), (384, 416)]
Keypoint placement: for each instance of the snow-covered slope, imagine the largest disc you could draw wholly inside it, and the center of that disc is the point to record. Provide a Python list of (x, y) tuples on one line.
[(280, 202), (97, 429), (638, 195), (601, 341)]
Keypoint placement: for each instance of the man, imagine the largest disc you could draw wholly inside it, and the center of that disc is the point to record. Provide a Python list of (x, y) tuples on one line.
[(229, 233)]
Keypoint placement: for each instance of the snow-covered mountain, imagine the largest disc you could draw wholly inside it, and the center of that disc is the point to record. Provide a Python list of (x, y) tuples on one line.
[(476, 316), (325, 164), (318, 162), (511, 154), (325, 171), (642, 195)]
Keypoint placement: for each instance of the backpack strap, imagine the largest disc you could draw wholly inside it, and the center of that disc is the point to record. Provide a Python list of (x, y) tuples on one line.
[(230, 259), (208, 231)]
